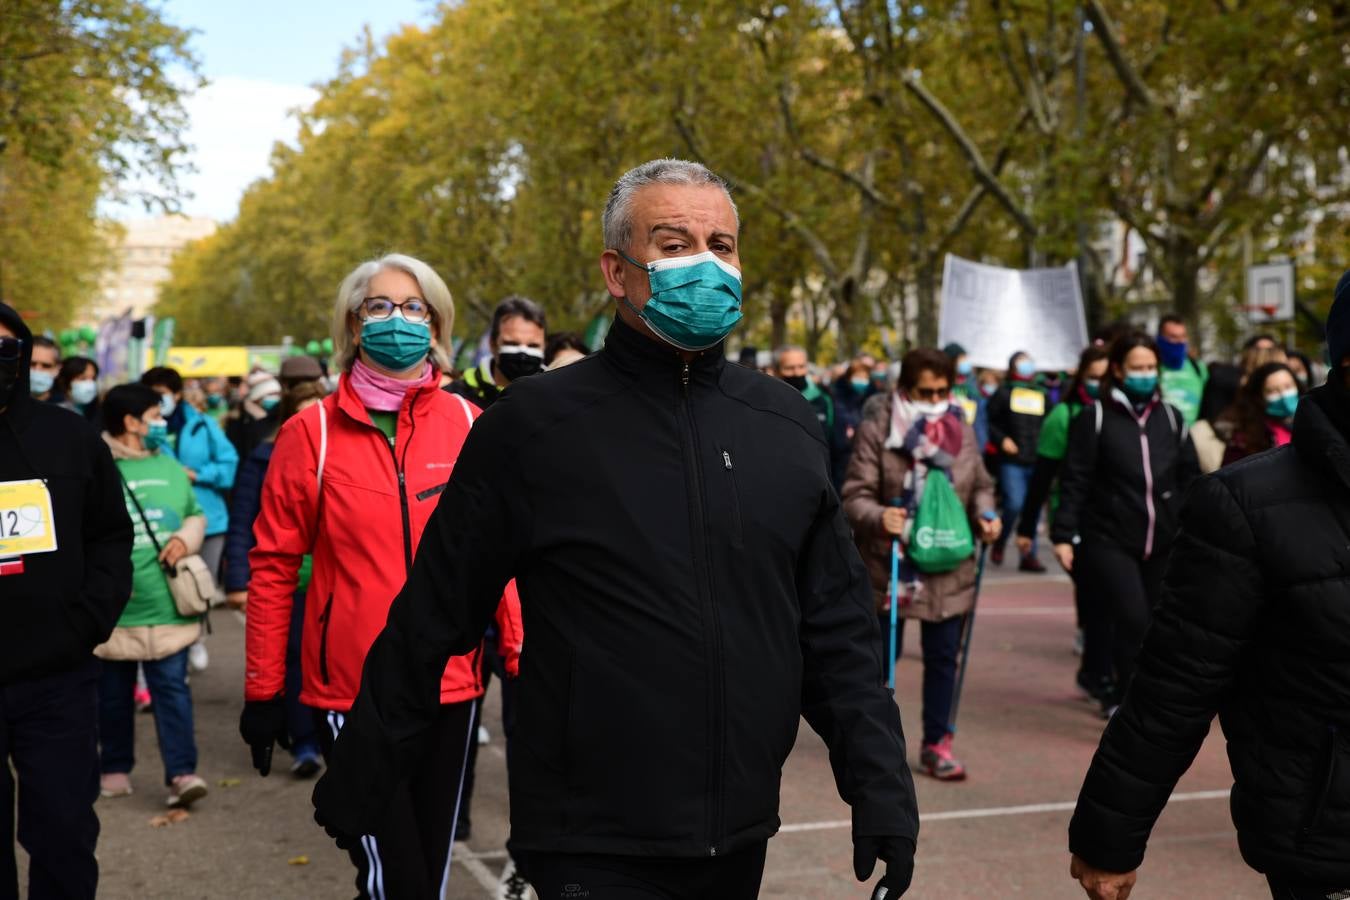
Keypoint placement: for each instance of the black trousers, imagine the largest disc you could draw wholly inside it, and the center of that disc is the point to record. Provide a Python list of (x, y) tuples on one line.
[(1097, 620), (409, 857), (735, 876), (49, 731), (1288, 890), (1127, 588)]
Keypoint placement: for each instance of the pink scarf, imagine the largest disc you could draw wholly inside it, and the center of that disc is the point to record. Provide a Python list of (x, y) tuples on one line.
[(384, 393)]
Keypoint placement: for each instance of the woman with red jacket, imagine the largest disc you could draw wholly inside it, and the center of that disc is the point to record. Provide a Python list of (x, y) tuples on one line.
[(353, 481)]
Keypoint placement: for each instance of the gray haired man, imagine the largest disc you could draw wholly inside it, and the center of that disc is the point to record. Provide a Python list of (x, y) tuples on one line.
[(689, 588)]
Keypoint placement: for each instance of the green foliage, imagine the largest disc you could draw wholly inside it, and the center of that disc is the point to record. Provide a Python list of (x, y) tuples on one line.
[(90, 106), (864, 140)]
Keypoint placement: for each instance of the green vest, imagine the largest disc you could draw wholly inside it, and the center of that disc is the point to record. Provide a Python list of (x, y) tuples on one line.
[(1184, 387)]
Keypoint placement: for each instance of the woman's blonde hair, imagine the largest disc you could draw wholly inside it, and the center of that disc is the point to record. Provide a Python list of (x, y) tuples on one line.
[(353, 292)]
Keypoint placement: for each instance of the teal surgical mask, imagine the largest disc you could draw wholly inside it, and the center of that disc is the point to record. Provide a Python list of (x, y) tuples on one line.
[(695, 301), (1092, 387), (1140, 385), (269, 403), (157, 436), (83, 392), (39, 382), (861, 384), (395, 343), (1282, 406)]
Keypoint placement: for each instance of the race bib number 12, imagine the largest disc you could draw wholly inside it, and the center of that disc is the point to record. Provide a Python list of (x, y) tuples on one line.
[(26, 522)]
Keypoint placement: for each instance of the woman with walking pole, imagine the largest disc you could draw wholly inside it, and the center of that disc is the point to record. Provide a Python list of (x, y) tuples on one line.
[(910, 441)]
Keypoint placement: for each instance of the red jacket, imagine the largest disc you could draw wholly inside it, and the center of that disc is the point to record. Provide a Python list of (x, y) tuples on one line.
[(362, 527)]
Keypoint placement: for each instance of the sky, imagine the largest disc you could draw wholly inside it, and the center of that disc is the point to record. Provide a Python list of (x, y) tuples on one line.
[(261, 59)]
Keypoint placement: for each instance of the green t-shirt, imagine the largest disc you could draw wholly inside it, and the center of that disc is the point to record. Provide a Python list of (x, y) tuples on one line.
[(1184, 387), (386, 421), (164, 492)]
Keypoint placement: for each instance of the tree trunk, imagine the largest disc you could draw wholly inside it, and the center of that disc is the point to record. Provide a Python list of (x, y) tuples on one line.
[(778, 313), (1183, 262), (926, 318)]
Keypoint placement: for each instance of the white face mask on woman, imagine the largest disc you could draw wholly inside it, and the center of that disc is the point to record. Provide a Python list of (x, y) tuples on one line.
[(931, 410)]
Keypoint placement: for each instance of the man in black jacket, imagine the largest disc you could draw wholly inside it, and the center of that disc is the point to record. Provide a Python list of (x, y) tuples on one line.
[(688, 583), (65, 575), (1254, 624)]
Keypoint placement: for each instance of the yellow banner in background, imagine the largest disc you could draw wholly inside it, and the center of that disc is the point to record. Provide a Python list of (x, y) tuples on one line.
[(208, 362)]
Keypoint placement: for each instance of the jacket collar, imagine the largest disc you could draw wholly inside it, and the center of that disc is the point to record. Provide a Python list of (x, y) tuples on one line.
[(635, 354), (1321, 428)]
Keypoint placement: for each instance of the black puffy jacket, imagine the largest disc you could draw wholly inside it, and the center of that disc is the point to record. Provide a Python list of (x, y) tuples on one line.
[(1254, 624), (689, 587), (1124, 476), (65, 602)]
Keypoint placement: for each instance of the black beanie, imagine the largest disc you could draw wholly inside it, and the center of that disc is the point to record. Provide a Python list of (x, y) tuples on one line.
[(953, 350), (1338, 324)]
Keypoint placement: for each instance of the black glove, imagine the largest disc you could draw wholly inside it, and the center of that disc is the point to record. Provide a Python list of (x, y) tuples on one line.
[(898, 852), (260, 724)]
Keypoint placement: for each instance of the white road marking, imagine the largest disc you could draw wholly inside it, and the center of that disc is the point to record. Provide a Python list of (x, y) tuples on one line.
[(990, 812), (473, 862), (1048, 578), (1025, 611)]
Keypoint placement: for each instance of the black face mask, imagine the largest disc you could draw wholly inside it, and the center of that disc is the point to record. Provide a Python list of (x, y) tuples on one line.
[(797, 381), (519, 364)]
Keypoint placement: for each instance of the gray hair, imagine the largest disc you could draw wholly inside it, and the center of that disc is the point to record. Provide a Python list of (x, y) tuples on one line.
[(784, 350), (353, 292), (618, 218)]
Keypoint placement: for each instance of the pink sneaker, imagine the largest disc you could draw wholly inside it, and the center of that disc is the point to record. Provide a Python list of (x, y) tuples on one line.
[(937, 760), (142, 698)]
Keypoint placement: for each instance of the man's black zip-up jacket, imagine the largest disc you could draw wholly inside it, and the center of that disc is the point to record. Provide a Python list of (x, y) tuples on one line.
[(67, 601), (689, 587)]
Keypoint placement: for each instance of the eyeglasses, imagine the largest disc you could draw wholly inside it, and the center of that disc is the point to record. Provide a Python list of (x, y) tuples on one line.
[(930, 394), (413, 309)]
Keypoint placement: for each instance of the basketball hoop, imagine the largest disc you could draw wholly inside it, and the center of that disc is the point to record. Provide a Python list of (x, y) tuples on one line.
[(1268, 311)]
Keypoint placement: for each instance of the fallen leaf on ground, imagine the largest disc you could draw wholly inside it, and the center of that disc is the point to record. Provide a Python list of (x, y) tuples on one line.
[(298, 861), (172, 817), (230, 782)]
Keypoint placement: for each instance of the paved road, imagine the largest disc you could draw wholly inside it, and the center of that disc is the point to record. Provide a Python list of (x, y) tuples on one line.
[(1024, 735)]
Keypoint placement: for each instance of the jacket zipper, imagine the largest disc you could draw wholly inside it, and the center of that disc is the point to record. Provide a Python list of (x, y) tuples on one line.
[(1148, 488), (325, 617), (403, 488), (738, 534), (717, 738)]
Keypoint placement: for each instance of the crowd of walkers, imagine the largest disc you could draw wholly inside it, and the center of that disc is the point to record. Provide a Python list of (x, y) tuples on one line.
[(662, 522)]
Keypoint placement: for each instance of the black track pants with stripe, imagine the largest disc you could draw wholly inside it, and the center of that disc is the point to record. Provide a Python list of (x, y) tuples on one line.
[(410, 856)]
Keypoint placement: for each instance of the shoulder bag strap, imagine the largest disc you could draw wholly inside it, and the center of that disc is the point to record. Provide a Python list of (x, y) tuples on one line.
[(148, 530)]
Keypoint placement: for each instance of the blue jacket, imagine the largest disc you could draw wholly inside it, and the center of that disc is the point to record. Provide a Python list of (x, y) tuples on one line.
[(203, 448), (245, 503)]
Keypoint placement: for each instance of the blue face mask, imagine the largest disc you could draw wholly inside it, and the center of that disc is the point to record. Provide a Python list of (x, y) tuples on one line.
[(1140, 385), (39, 382), (394, 343), (167, 405), (1172, 354), (1282, 406), (1025, 368), (83, 392), (695, 301), (158, 435), (269, 403), (964, 368)]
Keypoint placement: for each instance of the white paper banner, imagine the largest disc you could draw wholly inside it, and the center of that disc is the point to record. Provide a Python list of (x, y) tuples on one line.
[(994, 312)]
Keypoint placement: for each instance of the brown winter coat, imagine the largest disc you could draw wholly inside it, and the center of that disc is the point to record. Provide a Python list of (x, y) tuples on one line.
[(876, 474)]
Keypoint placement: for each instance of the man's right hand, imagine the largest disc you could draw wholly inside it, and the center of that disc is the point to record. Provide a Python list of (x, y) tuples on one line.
[(1064, 553), (893, 521), (237, 600), (1009, 447), (1100, 884), (261, 724)]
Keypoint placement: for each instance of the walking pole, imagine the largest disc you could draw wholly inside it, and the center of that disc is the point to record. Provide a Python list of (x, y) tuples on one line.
[(895, 604), (968, 631)]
